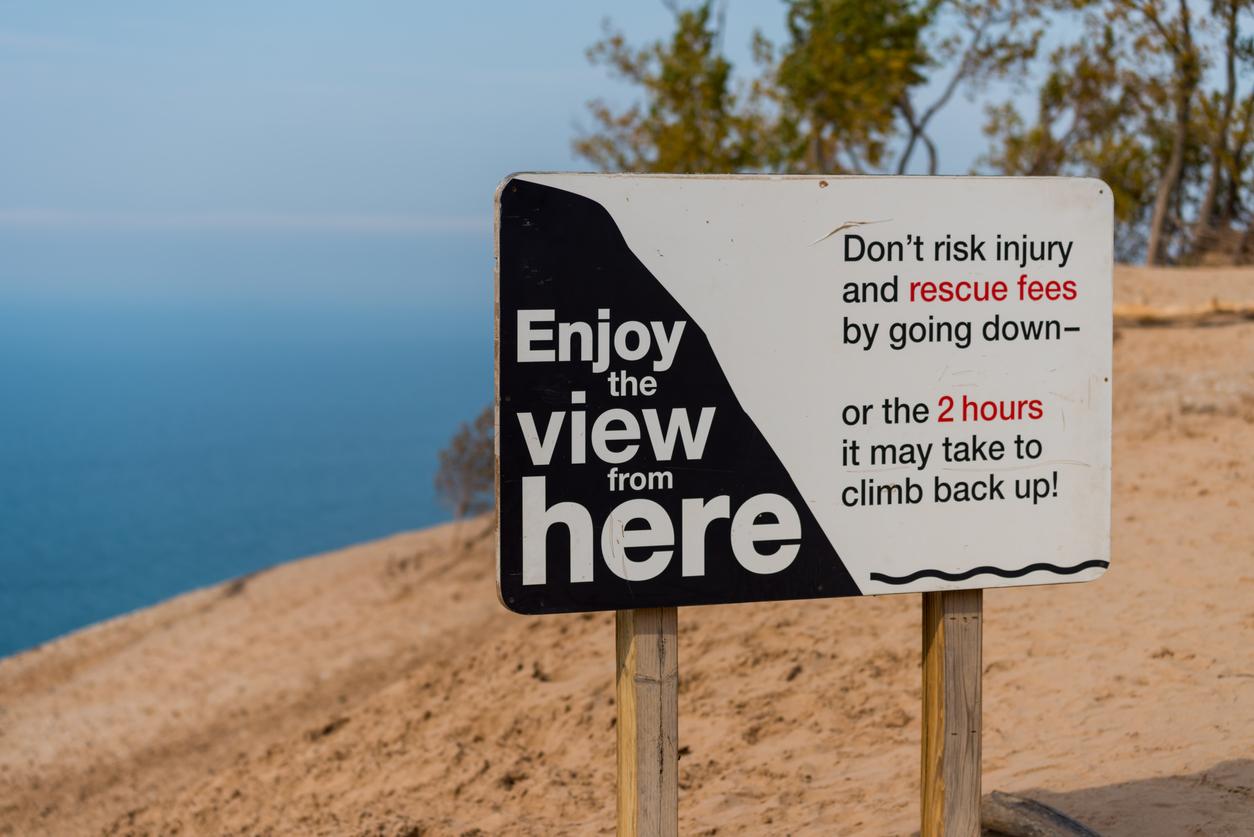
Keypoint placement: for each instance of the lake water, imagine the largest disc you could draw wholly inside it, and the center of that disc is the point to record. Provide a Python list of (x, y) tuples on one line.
[(158, 437)]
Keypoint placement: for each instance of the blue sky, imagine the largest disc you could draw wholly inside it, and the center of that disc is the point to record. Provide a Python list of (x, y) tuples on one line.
[(134, 130)]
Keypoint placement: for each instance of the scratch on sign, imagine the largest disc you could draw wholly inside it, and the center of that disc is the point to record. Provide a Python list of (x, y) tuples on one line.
[(846, 226)]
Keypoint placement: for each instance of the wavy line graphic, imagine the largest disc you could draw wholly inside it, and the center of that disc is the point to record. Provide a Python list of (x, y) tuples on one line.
[(963, 576)]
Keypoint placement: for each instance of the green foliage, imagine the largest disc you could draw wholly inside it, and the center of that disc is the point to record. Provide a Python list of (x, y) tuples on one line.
[(840, 78), (689, 122), (834, 97)]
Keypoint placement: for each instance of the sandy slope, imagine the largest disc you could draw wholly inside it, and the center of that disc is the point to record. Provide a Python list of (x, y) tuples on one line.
[(383, 691)]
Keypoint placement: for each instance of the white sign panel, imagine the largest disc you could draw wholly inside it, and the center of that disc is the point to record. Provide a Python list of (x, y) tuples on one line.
[(738, 388)]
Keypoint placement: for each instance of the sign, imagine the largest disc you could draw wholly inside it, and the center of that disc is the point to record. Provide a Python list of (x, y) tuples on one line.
[(745, 388)]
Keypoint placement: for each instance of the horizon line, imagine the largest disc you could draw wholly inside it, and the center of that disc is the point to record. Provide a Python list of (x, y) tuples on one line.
[(240, 221)]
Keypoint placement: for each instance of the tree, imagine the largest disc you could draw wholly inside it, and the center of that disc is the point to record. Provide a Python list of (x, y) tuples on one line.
[(1238, 165), (1129, 100), (1093, 118), (833, 97), (690, 120), (1158, 34), (1229, 128), (837, 83), (975, 41), (466, 479), (1121, 104)]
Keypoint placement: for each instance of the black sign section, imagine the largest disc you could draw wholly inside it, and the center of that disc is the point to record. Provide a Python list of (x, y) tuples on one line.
[(629, 474)]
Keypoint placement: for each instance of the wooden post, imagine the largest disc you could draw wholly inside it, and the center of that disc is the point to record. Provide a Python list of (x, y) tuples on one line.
[(648, 722), (952, 634)]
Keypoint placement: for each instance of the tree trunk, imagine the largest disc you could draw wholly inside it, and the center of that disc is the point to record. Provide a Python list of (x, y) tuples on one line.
[(907, 112), (1167, 184), (1219, 146), (1185, 82), (819, 158)]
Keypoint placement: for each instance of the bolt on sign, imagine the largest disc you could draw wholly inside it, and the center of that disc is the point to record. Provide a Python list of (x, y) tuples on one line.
[(745, 388)]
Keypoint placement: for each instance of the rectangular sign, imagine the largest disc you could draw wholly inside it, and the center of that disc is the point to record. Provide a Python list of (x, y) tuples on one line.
[(746, 388)]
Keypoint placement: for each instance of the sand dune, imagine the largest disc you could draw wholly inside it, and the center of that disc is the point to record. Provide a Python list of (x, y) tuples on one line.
[(382, 690)]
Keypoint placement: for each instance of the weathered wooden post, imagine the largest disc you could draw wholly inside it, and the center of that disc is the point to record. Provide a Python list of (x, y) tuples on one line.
[(952, 636), (648, 721)]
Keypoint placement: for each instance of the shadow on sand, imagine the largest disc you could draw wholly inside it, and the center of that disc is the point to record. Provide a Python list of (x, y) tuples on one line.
[(1216, 801)]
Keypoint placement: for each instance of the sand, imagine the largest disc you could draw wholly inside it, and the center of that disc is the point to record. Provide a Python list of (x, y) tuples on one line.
[(382, 690)]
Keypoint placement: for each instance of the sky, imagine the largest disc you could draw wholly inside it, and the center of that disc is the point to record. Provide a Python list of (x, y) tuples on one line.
[(138, 137)]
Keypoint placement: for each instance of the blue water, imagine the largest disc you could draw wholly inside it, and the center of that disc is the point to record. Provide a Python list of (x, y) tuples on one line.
[(157, 438)]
